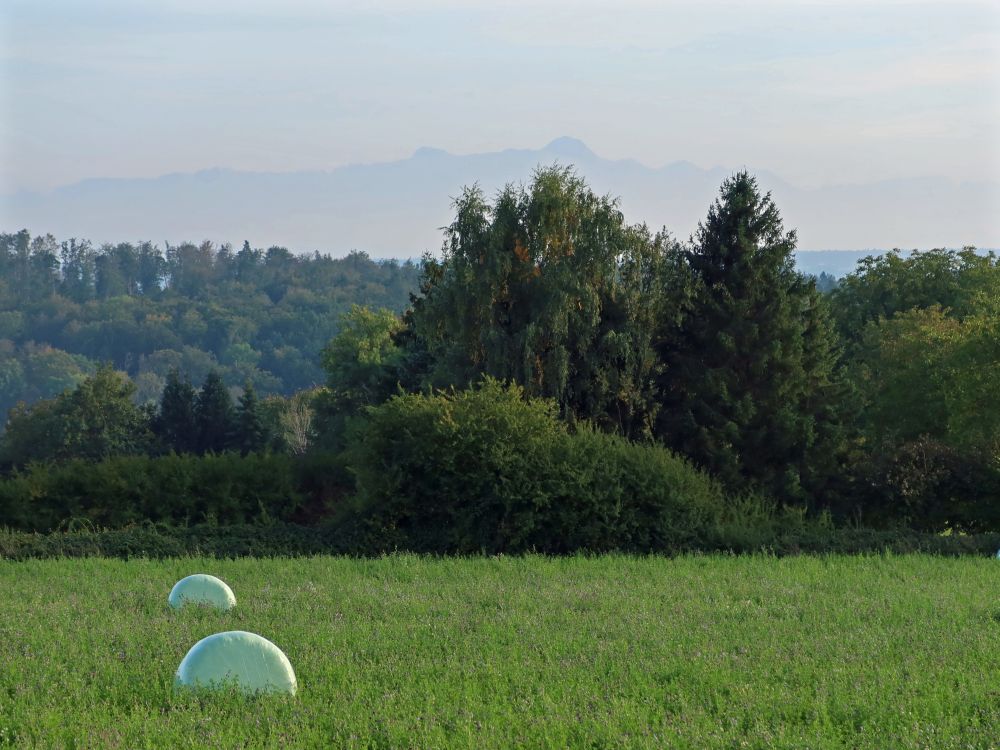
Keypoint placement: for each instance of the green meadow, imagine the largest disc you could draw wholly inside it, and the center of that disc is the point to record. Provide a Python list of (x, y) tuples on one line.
[(596, 652)]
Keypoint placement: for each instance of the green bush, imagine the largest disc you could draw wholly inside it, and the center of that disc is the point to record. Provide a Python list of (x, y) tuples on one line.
[(488, 470), (616, 494)]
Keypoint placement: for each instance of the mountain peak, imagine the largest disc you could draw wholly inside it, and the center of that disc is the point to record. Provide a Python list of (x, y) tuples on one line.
[(426, 152), (567, 146)]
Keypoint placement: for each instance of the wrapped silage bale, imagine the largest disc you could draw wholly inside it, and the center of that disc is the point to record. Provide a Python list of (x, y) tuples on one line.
[(202, 589), (249, 661)]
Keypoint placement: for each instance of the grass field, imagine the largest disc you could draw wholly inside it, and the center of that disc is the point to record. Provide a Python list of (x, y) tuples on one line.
[(695, 652)]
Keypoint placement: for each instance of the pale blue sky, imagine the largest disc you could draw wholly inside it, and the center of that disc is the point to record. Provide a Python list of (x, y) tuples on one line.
[(820, 93)]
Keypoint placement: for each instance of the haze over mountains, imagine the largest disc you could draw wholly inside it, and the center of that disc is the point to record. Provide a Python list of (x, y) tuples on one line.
[(396, 209)]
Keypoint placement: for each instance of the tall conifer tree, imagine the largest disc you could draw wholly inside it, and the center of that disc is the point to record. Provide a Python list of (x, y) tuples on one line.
[(750, 374), (250, 430), (215, 416), (175, 424)]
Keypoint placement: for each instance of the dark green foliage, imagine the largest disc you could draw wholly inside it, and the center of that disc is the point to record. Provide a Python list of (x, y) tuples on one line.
[(252, 315), (465, 471), (95, 420), (278, 539), (885, 285), (928, 485), (819, 539), (549, 288), (488, 470), (925, 372), (34, 372), (227, 488), (717, 348), (78, 263), (251, 434), (616, 494), (364, 366), (750, 370), (926, 384), (215, 417), (150, 540), (175, 424), (326, 484)]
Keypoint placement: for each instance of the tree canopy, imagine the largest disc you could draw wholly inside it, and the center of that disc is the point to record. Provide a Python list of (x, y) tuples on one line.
[(255, 315), (548, 287), (872, 399)]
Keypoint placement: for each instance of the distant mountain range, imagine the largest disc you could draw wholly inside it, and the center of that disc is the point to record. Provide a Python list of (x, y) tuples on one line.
[(396, 209)]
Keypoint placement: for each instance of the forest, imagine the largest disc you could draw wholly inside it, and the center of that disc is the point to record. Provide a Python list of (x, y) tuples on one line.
[(556, 379), (254, 315)]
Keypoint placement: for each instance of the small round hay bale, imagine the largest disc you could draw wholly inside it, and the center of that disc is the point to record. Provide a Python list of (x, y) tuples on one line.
[(202, 589), (251, 662)]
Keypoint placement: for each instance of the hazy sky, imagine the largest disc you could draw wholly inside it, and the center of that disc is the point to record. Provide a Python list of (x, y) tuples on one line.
[(818, 92)]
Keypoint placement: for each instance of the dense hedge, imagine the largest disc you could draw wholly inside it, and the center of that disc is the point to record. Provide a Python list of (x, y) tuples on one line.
[(477, 471), (160, 541), (485, 470), (282, 540), (227, 488)]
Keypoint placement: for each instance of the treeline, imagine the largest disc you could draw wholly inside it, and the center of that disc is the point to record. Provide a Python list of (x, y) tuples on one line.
[(251, 315), (657, 392), (99, 419)]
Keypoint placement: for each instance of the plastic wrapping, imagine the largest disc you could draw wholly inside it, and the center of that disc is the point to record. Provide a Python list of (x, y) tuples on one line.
[(249, 661), (202, 589)]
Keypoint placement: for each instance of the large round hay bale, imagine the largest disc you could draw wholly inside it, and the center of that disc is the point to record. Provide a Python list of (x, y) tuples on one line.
[(248, 661), (202, 589)]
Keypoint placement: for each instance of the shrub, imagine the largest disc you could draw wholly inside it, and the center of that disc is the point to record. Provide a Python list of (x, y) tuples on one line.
[(488, 470), (622, 495)]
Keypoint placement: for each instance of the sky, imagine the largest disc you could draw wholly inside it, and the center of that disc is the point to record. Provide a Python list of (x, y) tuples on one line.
[(820, 93)]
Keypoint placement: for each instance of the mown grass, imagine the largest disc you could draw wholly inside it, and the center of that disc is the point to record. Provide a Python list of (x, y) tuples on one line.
[(692, 652)]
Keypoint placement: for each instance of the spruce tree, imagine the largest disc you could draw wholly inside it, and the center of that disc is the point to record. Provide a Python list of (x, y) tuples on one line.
[(250, 431), (750, 366), (214, 416), (175, 424)]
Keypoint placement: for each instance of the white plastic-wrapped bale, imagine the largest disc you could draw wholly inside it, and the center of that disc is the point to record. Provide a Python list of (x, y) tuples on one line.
[(248, 661), (202, 589)]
